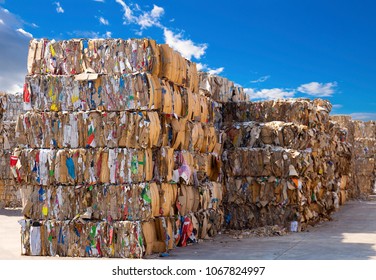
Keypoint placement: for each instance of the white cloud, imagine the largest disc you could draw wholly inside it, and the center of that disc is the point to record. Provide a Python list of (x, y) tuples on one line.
[(216, 71), (201, 67), (14, 47), (187, 48), (261, 79), (25, 33), (34, 25), (337, 106), (86, 34), (273, 93), (128, 14), (11, 88), (144, 19), (101, 1), (137, 7), (59, 9), (156, 12), (318, 89), (149, 19), (103, 21), (363, 116), (1, 21), (89, 34), (205, 68)]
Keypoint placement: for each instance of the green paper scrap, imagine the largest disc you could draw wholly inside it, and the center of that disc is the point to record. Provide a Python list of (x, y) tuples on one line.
[(134, 165), (146, 194)]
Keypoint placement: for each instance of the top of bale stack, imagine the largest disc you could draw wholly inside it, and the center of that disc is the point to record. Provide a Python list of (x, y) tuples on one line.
[(312, 113)]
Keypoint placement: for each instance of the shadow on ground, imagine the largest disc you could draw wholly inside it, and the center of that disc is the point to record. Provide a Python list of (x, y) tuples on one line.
[(11, 212), (351, 235)]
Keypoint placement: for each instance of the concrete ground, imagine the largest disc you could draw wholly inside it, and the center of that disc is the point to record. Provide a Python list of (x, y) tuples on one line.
[(351, 235)]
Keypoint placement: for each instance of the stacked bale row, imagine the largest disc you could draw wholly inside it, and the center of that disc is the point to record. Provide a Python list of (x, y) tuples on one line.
[(10, 107), (340, 153), (362, 136), (119, 155), (365, 157), (280, 163)]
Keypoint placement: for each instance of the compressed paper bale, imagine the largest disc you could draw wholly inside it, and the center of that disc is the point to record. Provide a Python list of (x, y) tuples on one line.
[(124, 92), (220, 89), (364, 129), (196, 225), (364, 147), (79, 166), (252, 135), (11, 107), (364, 184), (124, 129), (168, 199), (150, 235), (115, 202), (364, 166), (166, 54), (5, 172), (251, 216), (10, 195), (249, 201), (216, 195), (264, 162), (159, 235), (192, 77), (82, 239), (109, 56), (345, 122), (155, 199), (299, 111)]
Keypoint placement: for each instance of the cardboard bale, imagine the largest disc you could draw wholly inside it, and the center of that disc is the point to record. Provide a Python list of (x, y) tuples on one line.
[(83, 166), (220, 89), (107, 56), (260, 201), (347, 124), (112, 57), (5, 172), (365, 129), (12, 106), (94, 202), (159, 235), (79, 238), (258, 135), (9, 194), (89, 129), (364, 147), (113, 93), (271, 161), (312, 113)]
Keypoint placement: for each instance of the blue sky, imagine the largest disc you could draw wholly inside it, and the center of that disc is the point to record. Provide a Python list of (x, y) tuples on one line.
[(273, 48)]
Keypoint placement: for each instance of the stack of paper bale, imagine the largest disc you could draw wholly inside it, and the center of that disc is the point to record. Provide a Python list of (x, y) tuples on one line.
[(119, 155), (362, 136), (279, 163), (341, 152), (10, 107), (365, 157)]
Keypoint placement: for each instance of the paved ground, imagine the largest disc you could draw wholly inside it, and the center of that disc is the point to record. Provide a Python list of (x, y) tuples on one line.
[(351, 235)]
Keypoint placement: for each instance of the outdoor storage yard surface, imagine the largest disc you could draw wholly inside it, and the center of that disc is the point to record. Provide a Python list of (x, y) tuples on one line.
[(351, 235)]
